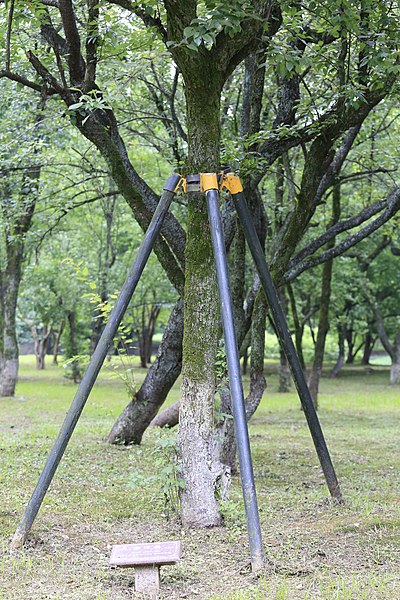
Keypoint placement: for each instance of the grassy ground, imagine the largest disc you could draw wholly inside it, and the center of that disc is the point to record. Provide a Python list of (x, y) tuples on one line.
[(314, 548)]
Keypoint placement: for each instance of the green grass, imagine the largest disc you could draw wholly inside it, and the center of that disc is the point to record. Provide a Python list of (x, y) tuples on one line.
[(315, 549)]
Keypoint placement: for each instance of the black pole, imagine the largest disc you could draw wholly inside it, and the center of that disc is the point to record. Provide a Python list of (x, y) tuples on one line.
[(235, 383), (287, 345), (96, 363)]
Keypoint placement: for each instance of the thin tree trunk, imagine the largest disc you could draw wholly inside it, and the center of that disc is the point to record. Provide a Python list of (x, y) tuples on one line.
[(323, 323), (369, 344), (340, 359), (285, 378), (350, 339), (40, 342), (73, 346), (57, 338), (298, 327), (9, 285), (145, 335)]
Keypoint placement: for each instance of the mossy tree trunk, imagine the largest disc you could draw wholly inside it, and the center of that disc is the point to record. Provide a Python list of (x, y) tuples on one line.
[(201, 326), (9, 285)]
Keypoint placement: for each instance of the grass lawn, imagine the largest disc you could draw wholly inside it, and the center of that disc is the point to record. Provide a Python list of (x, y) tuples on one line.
[(103, 495)]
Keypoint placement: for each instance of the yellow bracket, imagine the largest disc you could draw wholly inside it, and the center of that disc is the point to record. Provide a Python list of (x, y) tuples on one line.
[(232, 183), (181, 184), (208, 181)]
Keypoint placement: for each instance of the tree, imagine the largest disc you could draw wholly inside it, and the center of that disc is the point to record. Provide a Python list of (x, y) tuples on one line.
[(316, 123), (382, 292), (18, 195)]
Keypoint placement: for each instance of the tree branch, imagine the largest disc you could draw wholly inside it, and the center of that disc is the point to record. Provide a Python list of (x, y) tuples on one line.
[(92, 34), (75, 59), (175, 118), (8, 35), (148, 20), (297, 266), (19, 79), (54, 85), (336, 164)]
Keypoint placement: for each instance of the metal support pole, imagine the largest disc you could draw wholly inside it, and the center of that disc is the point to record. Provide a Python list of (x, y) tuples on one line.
[(96, 363), (235, 383), (287, 345)]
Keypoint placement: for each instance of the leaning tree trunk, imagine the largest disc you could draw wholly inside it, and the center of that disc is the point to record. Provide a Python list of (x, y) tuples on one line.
[(136, 417)]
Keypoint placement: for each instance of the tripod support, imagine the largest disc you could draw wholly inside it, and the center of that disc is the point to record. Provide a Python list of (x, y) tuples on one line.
[(211, 184)]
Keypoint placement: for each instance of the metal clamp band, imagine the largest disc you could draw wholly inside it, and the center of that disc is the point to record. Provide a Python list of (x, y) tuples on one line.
[(208, 181), (232, 183)]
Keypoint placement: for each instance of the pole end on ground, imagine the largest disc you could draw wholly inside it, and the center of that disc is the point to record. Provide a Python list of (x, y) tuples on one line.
[(257, 564), (18, 540)]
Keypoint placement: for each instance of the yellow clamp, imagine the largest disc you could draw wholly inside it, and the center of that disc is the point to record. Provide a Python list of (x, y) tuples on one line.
[(208, 181), (232, 183), (181, 183)]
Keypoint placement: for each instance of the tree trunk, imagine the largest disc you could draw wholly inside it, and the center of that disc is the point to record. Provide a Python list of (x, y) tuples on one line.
[(40, 345), (9, 285), (323, 323), (199, 506), (73, 346), (395, 374), (393, 349), (168, 417), (57, 338), (340, 359), (136, 417), (369, 344), (298, 327), (145, 335), (285, 378), (395, 367), (350, 346)]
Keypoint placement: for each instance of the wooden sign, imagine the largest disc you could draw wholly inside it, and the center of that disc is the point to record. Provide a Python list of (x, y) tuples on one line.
[(157, 553)]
